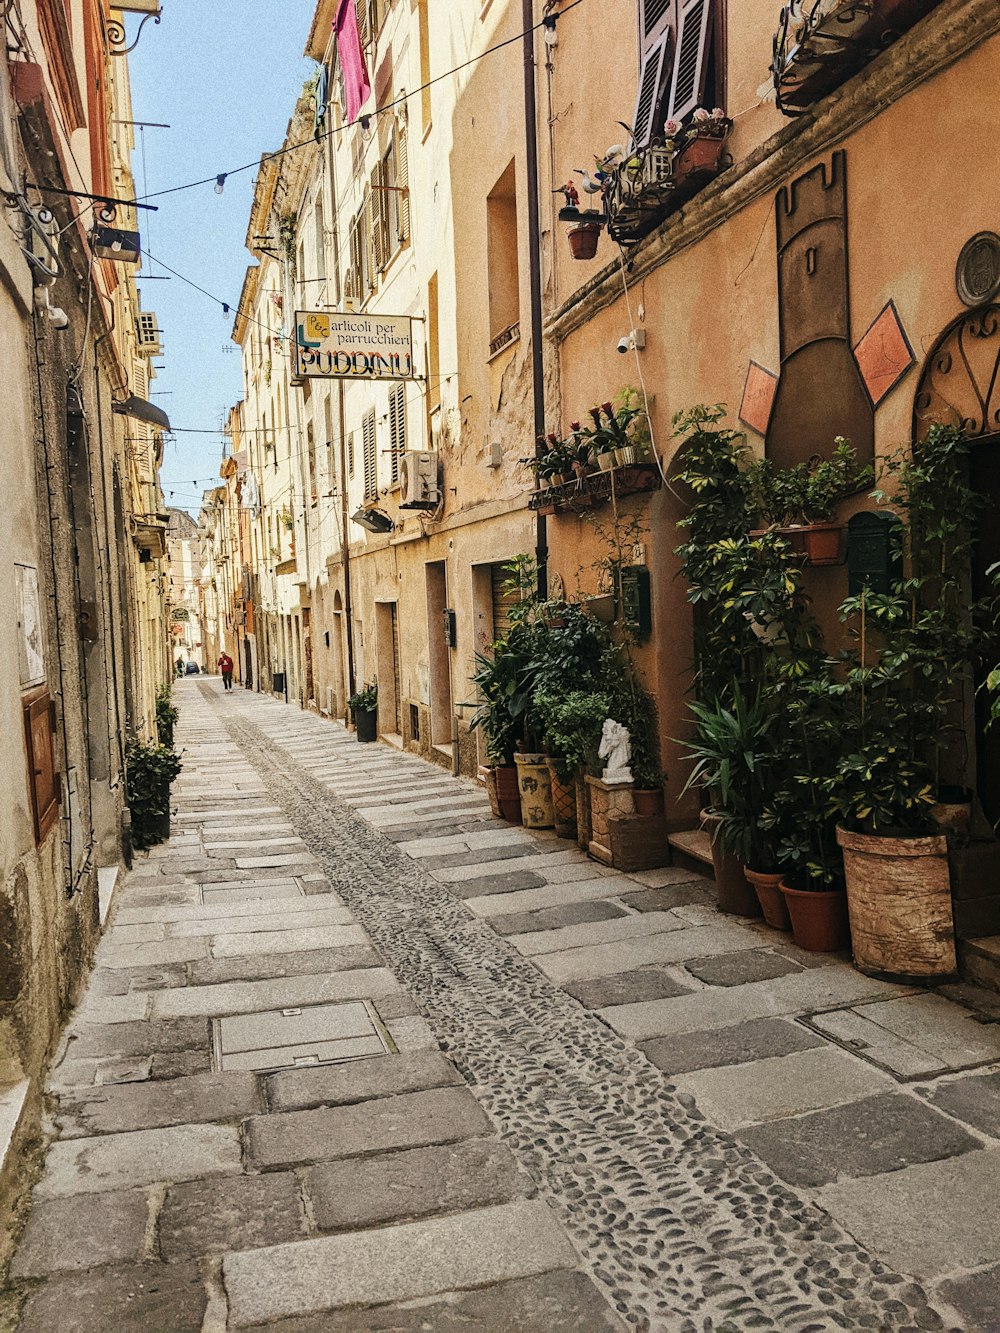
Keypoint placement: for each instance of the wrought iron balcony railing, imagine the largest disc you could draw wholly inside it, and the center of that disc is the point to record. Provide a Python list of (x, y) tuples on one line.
[(821, 43)]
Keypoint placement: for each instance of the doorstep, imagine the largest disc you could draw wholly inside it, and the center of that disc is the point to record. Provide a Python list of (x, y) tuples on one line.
[(12, 1101), (392, 738), (107, 882), (691, 849), (979, 961)]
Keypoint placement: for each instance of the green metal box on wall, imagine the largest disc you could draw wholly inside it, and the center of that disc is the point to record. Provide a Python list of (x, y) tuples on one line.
[(637, 610), (874, 552)]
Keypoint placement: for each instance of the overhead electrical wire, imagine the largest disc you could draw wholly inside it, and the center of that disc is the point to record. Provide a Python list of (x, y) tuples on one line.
[(548, 21)]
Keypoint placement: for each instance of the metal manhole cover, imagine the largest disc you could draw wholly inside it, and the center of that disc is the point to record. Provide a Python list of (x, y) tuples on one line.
[(911, 1037), (289, 1038)]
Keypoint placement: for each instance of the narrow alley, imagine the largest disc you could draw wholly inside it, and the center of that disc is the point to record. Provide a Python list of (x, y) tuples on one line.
[(515, 1091)]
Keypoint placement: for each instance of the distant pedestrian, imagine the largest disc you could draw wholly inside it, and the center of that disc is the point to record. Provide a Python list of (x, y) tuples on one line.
[(179, 666), (226, 667)]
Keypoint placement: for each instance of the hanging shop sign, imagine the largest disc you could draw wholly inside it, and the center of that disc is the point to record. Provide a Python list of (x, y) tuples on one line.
[(332, 346)]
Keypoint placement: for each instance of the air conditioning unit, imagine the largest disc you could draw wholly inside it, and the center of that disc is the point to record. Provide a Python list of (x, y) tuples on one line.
[(418, 480)]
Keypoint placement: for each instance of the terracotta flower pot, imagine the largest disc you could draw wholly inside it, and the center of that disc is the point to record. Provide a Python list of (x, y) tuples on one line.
[(648, 800), (899, 896), (535, 788), (735, 896), (769, 895), (563, 803), (699, 154), (819, 919), (821, 543), (508, 796), (583, 238)]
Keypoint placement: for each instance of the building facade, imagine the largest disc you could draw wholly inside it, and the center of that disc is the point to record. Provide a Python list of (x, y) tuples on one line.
[(778, 278), (82, 603)]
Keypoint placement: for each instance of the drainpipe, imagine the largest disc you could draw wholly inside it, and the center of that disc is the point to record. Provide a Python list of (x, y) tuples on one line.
[(345, 545), (535, 273)]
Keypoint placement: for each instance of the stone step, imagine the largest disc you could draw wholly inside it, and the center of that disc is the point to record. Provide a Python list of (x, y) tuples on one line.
[(691, 849), (979, 961)]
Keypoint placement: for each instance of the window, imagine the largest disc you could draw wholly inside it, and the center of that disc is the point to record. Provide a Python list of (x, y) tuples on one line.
[(370, 458), (43, 780), (320, 238), (425, 66), (390, 203), (681, 61), (433, 346), (359, 268), (397, 427), (350, 454), (331, 465), (501, 244), (311, 454)]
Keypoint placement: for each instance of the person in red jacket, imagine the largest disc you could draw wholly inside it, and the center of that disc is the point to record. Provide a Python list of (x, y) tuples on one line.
[(226, 667)]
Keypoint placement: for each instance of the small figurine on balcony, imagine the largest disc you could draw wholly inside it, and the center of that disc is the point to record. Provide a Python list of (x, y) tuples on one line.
[(616, 751), (570, 193)]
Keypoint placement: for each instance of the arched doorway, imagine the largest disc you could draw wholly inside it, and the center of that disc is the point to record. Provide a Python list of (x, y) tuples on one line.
[(960, 386)]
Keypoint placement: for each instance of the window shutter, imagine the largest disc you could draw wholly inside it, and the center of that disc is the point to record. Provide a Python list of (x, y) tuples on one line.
[(377, 195), (687, 90), (656, 17), (366, 246), (350, 454), (364, 27), (403, 181), (397, 427), (648, 118), (43, 780), (370, 458)]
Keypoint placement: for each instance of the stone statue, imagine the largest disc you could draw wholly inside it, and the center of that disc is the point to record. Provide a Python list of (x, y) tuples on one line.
[(616, 751)]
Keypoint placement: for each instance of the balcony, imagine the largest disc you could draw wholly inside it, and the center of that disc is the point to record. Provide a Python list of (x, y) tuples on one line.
[(655, 181), (820, 43), (596, 488)]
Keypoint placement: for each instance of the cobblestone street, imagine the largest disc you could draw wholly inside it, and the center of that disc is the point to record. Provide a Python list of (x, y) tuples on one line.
[(587, 1101)]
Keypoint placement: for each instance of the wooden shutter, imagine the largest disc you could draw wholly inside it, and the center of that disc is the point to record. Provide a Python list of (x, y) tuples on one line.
[(370, 457), (397, 427), (365, 247), (656, 33), (403, 181), (503, 600), (687, 90), (364, 26), (350, 454), (377, 196), (43, 780)]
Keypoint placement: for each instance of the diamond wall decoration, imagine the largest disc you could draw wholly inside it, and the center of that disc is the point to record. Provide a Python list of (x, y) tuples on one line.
[(884, 354)]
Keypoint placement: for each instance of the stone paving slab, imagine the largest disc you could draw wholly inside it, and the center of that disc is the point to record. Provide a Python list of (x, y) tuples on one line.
[(933, 1218), (975, 1100), (737, 969), (292, 940), (551, 895), (513, 881), (122, 1161), (306, 914), (111, 954), (602, 931), (976, 1296), (363, 1080), (236, 1213), (675, 946), (747, 1094), (439, 1115), (664, 899), (398, 1186), (552, 918), (648, 983), (542, 861), (761, 1039), (395, 1263), (135, 1299), (199, 1099), (264, 967), (130, 1039), (872, 1136), (284, 992), (822, 988), (82, 1231), (559, 1302)]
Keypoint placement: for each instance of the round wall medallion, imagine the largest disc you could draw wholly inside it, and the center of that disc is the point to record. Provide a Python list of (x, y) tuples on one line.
[(977, 273)]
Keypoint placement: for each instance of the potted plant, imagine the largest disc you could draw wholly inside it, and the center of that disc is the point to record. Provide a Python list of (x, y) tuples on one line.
[(698, 144), (166, 716), (584, 235), (150, 769), (364, 710), (573, 722), (799, 502)]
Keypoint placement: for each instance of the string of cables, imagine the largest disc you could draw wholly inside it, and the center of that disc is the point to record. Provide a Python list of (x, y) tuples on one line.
[(220, 177)]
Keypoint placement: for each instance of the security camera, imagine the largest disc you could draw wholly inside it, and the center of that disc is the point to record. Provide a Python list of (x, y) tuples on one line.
[(633, 341), (59, 318)]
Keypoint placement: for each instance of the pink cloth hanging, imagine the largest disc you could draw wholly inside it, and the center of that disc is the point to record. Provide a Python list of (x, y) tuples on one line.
[(352, 58)]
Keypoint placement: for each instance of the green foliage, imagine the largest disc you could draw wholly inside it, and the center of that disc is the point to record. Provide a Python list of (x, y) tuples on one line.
[(736, 757), (166, 715), (573, 722), (365, 700), (806, 493), (149, 772)]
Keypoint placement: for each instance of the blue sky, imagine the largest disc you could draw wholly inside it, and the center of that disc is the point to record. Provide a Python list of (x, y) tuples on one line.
[(225, 78)]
